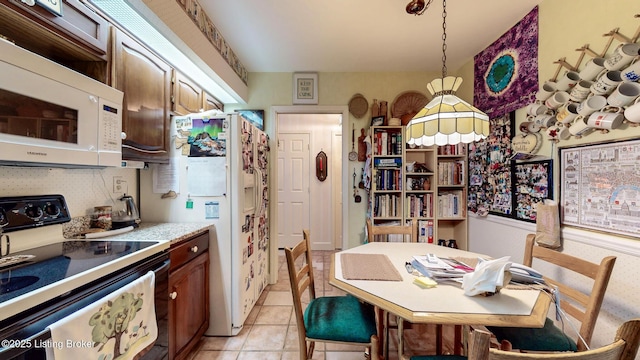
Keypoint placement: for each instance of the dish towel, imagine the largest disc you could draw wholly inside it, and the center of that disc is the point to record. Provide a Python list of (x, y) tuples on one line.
[(117, 327)]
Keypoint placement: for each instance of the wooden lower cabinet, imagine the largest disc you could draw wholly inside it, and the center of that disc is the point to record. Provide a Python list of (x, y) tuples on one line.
[(188, 296)]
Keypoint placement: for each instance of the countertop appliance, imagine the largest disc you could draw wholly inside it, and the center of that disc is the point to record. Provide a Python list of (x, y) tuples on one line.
[(47, 278), (228, 150), (126, 213), (50, 114)]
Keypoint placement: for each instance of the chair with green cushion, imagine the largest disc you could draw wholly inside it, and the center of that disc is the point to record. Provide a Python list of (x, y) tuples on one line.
[(581, 305), (624, 347), (338, 319)]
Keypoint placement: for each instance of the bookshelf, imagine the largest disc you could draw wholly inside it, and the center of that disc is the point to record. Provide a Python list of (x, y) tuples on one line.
[(387, 174), (425, 185), (452, 194)]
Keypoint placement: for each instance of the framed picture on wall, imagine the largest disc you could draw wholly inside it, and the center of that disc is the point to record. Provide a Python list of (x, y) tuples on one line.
[(255, 117), (305, 88), (600, 187), (533, 183)]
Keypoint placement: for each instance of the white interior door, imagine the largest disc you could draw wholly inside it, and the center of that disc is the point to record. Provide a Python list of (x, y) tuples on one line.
[(293, 187), (336, 179)]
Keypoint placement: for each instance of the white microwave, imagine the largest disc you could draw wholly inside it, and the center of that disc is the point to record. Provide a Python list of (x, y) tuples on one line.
[(51, 115)]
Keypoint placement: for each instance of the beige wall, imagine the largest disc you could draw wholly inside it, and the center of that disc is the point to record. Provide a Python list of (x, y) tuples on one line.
[(275, 89)]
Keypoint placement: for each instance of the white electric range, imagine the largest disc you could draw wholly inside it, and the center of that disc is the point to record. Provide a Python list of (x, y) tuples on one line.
[(45, 277)]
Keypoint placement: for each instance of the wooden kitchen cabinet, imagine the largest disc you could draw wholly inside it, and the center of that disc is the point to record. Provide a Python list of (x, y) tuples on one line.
[(78, 39), (187, 96), (210, 102), (188, 295), (145, 80)]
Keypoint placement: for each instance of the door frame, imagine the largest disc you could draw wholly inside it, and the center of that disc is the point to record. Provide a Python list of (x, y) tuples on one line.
[(273, 169)]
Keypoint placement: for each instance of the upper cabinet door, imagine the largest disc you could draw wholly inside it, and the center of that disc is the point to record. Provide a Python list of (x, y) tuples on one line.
[(39, 30), (187, 95), (210, 103), (145, 80)]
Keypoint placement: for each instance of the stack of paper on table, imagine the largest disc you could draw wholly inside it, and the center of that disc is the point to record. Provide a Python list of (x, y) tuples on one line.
[(440, 269)]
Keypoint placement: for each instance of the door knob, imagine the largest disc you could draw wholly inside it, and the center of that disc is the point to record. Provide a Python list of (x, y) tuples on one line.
[(173, 295)]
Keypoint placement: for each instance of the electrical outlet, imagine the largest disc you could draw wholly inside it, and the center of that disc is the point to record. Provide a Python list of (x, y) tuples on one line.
[(119, 185)]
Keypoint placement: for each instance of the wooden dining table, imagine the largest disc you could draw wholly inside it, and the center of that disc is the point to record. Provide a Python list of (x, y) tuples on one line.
[(444, 304)]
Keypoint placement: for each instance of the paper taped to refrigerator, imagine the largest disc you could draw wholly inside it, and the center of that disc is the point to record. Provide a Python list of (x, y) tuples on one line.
[(206, 176)]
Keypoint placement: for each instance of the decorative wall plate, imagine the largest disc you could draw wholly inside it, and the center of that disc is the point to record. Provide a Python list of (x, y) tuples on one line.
[(407, 104), (358, 106)]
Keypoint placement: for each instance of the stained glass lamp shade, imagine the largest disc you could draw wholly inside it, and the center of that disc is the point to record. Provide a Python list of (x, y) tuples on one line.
[(447, 119)]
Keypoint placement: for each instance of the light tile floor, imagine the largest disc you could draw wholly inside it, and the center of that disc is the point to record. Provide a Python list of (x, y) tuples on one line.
[(270, 329)]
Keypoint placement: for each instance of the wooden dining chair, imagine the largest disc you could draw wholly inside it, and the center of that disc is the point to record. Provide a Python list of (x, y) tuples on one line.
[(336, 319), (624, 347), (581, 305), (374, 230)]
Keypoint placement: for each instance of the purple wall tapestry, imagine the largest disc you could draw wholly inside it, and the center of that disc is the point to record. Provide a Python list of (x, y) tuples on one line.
[(506, 72)]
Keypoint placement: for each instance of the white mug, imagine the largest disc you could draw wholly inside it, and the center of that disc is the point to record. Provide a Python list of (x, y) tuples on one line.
[(631, 72), (606, 82), (567, 113), (581, 90), (529, 126), (567, 81), (536, 109), (591, 105), (544, 120), (622, 56), (605, 120), (546, 90), (556, 100), (592, 68), (632, 113), (579, 128), (624, 94), (563, 133)]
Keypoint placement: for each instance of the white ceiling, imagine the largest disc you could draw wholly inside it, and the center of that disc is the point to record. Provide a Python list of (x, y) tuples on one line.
[(359, 35)]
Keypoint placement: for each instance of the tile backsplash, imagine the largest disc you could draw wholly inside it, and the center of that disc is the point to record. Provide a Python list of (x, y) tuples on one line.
[(82, 188)]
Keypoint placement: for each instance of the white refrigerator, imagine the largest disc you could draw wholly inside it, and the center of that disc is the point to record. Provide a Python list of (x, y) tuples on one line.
[(218, 174)]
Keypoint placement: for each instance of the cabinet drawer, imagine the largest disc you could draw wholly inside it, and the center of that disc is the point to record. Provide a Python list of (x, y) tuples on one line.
[(187, 250)]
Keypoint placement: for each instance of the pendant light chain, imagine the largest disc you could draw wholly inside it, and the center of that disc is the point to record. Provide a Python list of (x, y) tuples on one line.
[(444, 38)]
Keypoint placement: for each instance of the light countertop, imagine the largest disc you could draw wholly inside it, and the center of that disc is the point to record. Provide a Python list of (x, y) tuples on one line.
[(171, 232)]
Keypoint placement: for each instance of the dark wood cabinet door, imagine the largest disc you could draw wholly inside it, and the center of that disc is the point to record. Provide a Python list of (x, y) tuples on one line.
[(187, 95), (145, 80), (79, 33), (188, 306)]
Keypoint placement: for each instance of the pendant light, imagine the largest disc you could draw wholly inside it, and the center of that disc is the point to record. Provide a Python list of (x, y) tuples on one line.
[(446, 119)]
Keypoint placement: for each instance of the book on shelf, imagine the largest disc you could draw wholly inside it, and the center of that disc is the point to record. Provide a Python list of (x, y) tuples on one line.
[(387, 162), (386, 205), (458, 149), (425, 231), (451, 172), (388, 142), (451, 204)]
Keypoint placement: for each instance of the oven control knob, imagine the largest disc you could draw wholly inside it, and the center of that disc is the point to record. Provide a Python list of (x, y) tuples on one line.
[(52, 209), (173, 295), (3, 218), (33, 211), (194, 249)]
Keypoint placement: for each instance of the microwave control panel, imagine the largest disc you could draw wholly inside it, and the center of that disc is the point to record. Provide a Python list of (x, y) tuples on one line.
[(110, 127)]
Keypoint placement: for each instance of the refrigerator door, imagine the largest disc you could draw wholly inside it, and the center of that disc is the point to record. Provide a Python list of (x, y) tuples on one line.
[(244, 208), (262, 209)]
